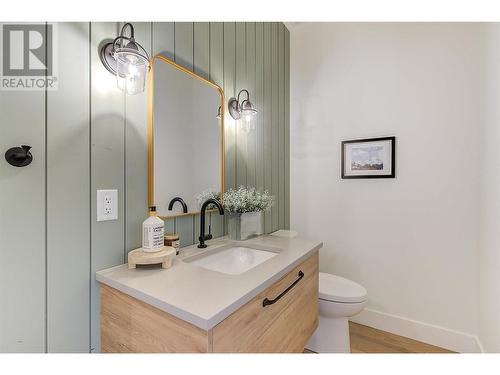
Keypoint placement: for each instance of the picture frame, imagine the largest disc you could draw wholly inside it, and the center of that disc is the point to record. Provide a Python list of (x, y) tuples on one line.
[(369, 158)]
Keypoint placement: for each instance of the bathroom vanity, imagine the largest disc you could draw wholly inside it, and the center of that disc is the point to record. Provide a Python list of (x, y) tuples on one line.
[(259, 295)]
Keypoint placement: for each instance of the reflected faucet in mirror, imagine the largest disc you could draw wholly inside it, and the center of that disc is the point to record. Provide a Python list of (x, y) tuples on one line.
[(186, 149), (204, 206), (181, 201)]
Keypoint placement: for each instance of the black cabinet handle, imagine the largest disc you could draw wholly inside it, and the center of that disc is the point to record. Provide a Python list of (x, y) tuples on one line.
[(268, 302)]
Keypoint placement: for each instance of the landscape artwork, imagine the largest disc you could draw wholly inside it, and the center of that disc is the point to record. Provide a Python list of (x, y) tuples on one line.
[(369, 158)]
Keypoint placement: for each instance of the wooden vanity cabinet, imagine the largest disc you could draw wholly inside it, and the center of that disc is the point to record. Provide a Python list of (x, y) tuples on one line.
[(285, 326)]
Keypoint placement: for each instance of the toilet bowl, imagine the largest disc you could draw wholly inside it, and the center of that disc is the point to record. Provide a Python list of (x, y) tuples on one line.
[(339, 299)]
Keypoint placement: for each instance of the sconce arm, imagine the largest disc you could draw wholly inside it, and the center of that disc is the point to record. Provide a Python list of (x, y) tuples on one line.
[(131, 27), (248, 96)]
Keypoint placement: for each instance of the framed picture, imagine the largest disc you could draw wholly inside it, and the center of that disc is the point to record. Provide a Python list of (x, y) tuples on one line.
[(369, 158)]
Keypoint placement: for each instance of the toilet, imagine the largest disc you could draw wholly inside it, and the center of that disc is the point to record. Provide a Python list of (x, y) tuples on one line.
[(339, 299)]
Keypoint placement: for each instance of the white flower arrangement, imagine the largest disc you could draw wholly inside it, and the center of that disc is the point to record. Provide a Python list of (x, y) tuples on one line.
[(241, 200), (208, 194), (247, 199)]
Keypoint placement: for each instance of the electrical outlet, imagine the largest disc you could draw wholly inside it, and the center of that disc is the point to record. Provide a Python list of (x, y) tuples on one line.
[(107, 205)]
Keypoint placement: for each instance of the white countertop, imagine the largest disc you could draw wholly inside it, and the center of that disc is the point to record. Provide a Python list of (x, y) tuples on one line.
[(203, 297)]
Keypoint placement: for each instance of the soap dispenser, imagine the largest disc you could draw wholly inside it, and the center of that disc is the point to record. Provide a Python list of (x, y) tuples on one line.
[(152, 232)]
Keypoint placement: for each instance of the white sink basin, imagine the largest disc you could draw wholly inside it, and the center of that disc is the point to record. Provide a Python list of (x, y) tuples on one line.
[(232, 260)]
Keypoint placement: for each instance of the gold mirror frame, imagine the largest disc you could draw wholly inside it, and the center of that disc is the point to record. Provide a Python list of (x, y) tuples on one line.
[(163, 59)]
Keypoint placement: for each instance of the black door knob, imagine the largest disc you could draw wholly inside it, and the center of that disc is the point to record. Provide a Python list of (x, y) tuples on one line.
[(19, 156)]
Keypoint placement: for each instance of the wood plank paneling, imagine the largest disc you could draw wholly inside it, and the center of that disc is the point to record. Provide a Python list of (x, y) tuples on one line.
[(216, 53), (163, 39), (259, 103), (169, 226), (184, 44), (201, 42), (229, 91), (164, 43), (216, 75), (240, 83), (68, 195), (275, 70), (268, 109), (184, 227), (104, 140), (216, 225), (22, 224), (136, 155), (107, 166), (236, 44), (250, 86), (280, 194)]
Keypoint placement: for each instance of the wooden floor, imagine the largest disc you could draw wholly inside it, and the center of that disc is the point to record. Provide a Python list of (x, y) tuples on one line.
[(370, 340)]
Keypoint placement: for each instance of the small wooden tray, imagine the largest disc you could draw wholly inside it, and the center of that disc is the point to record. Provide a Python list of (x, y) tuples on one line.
[(163, 257)]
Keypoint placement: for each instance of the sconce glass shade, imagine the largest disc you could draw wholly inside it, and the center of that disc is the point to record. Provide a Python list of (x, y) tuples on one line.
[(247, 124), (126, 59), (239, 109), (248, 110), (131, 70)]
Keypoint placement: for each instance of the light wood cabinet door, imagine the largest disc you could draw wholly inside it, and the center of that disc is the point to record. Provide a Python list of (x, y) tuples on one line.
[(132, 326), (284, 326)]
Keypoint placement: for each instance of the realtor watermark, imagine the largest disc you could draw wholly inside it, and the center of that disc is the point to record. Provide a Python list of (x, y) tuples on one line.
[(28, 57)]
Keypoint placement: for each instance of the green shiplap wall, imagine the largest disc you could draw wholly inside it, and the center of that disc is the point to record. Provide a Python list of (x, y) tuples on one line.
[(87, 136)]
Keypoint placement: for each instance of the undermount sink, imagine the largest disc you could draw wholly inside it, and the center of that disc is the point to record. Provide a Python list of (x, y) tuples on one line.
[(232, 259)]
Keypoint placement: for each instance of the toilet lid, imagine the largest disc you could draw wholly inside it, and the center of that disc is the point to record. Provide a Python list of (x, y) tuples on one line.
[(337, 289)]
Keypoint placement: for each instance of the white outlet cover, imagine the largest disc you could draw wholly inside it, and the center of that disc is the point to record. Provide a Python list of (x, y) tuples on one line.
[(107, 205)]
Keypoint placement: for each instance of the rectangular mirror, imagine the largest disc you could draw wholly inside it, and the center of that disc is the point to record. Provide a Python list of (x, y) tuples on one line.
[(186, 148)]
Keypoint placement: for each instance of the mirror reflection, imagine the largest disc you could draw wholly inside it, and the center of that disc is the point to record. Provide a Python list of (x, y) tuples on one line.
[(187, 138)]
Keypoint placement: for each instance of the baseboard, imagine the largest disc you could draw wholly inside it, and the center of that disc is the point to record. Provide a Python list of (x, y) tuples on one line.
[(431, 334)]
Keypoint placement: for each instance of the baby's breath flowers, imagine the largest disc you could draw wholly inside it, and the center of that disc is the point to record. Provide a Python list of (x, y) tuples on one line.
[(208, 194), (247, 199), (241, 200)]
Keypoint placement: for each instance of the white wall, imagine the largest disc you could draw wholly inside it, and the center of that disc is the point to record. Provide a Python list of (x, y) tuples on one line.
[(413, 240), (490, 199)]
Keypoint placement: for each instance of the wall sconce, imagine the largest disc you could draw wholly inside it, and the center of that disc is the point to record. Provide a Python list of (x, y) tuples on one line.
[(237, 109), (128, 60), (219, 116)]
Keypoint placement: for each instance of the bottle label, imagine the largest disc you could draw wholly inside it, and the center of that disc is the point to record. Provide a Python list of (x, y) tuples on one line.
[(153, 237)]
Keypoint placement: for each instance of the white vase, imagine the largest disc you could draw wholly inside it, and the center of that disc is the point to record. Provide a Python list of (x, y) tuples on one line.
[(243, 226)]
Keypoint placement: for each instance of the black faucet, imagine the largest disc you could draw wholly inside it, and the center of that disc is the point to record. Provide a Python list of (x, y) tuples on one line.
[(203, 210), (181, 201)]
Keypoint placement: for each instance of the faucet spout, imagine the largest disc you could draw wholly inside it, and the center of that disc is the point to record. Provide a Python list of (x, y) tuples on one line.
[(181, 201), (203, 210)]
